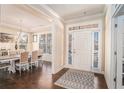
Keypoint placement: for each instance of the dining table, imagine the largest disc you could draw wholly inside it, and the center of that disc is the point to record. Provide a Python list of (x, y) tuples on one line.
[(11, 59)]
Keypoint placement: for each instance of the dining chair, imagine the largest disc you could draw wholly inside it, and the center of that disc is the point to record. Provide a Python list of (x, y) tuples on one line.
[(23, 63), (4, 64), (40, 54), (34, 59)]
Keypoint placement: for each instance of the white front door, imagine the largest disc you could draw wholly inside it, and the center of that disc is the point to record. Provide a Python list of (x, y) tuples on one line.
[(82, 46)]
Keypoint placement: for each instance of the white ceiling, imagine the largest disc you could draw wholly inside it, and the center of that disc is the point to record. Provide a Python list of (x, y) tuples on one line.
[(70, 11), (32, 17), (22, 16)]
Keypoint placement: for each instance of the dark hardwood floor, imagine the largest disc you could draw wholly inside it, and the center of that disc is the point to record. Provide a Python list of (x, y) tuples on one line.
[(39, 78)]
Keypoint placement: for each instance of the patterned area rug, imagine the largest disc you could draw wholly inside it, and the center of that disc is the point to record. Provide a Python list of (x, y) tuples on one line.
[(76, 79)]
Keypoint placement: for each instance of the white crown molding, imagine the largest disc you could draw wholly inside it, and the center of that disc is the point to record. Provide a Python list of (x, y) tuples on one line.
[(91, 17), (40, 9), (52, 12), (49, 12)]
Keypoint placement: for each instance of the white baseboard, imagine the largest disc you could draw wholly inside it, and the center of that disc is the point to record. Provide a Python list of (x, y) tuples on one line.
[(108, 85), (58, 69)]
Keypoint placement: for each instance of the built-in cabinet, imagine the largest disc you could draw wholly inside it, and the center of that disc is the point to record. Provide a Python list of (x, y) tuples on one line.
[(45, 43), (42, 42)]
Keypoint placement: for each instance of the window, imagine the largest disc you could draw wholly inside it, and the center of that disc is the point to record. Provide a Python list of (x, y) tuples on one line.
[(23, 40)]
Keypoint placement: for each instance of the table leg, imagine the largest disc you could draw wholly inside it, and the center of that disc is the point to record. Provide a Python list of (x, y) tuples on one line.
[(12, 67)]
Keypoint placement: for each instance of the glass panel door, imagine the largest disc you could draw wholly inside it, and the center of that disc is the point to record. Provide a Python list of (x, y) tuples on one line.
[(42, 42), (70, 49), (49, 43), (95, 50)]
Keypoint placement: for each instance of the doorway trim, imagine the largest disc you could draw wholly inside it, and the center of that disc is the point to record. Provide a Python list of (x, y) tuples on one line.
[(100, 50)]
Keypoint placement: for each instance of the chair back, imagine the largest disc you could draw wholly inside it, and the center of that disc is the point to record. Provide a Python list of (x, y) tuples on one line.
[(40, 52), (34, 57), (24, 57)]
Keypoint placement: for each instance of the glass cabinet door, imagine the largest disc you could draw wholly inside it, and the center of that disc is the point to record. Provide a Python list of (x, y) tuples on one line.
[(42, 42), (49, 43), (45, 43)]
